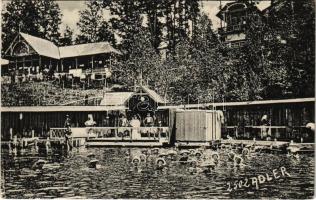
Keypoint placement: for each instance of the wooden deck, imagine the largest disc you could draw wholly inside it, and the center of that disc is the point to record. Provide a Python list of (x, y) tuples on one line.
[(125, 143), (256, 142)]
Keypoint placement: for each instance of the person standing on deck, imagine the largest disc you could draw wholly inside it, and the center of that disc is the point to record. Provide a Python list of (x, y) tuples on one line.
[(135, 123), (90, 122), (149, 120), (68, 130), (123, 121), (264, 126), (311, 131)]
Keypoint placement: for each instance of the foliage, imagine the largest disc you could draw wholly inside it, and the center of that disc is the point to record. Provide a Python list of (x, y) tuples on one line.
[(276, 61), (138, 66), (282, 51), (67, 38), (92, 26), (40, 18)]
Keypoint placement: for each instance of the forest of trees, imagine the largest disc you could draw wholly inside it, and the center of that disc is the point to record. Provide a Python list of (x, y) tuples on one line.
[(276, 62)]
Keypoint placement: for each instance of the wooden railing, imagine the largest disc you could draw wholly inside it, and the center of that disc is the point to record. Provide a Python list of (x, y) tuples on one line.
[(57, 133), (116, 133), (141, 133)]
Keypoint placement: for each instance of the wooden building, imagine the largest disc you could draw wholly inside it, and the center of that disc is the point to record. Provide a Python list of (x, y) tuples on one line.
[(31, 55), (41, 118), (287, 118), (234, 18)]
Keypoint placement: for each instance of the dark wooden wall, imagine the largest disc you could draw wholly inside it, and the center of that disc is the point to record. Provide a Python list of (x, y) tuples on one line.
[(290, 115), (294, 114)]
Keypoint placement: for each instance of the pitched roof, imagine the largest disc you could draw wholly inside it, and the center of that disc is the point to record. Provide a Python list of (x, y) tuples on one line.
[(47, 48), (154, 95), (41, 46), (115, 98), (86, 49), (229, 4)]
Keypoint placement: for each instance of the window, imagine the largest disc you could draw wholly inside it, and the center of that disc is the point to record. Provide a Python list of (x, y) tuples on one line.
[(234, 21), (20, 49)]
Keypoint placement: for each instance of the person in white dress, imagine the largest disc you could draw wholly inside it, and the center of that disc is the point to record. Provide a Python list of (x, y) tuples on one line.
[(135, 123), (90, 122)]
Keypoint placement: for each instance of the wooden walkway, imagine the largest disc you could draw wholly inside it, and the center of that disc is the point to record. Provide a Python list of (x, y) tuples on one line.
[(256, 142)]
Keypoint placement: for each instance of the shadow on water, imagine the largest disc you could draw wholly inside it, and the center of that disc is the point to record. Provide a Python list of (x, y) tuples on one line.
[(136, 173)]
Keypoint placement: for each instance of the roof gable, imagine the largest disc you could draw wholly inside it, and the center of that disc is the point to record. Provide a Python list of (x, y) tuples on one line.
[(41, 46), (154, 95), (115, 98), (236, 4)]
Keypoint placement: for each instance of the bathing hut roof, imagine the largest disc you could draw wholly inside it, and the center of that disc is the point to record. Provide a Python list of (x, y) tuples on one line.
[(115, 98), (41, 46), (61, 108), (156, 97), (87, 49)]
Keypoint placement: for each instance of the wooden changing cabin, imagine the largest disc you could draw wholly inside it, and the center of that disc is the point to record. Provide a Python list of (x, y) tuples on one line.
[(198, 127)]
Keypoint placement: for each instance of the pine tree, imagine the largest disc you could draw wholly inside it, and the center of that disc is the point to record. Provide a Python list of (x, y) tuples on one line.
[(293, 23), (67, 38), (127, 22), (138, 66), (179, 14), (92, 26), (38, 18), (154, 13), (50, 15), (106, 34)]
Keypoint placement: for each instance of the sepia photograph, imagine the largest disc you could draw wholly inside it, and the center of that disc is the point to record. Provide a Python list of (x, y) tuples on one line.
[(157, 99)]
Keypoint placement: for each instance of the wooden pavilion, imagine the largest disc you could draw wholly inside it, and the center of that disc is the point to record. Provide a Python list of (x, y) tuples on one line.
[(31, 55)]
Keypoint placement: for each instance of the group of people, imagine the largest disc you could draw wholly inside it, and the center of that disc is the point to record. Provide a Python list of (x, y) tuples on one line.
[(136, 121)]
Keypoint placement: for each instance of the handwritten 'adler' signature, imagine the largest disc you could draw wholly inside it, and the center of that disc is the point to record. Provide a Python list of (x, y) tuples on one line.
[(260, 179)]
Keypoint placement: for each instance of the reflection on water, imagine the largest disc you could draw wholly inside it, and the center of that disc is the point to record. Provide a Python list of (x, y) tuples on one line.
[(120, 175)]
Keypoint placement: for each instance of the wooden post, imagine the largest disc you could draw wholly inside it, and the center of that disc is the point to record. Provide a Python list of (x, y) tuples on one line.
[(47, 144), (11, 133), (92, 62), (76, 63), (32, 64), (15, 140), (40, 63), (10, 148), (35, 145), (110, 59), (61, 64)]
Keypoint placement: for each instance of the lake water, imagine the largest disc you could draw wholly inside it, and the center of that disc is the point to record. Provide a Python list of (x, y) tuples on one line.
[(67, 175)]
